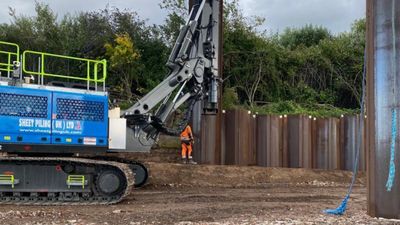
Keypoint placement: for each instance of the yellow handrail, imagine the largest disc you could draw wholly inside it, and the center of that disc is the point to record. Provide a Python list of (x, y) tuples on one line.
[(9, 178), (7, 66), (76, 179), (90, 63)]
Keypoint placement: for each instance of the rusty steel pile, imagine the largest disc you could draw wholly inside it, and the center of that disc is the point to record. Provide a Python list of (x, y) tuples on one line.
[(287, 141)]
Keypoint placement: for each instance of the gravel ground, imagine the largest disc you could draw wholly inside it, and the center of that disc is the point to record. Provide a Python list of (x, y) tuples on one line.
[(183, 194)]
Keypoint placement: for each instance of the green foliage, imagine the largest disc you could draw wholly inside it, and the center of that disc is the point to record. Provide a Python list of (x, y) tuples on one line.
[(306, 66), (175, 6), (301, 71), (175, 19), (123, 53), (293, 108), (85, 35), (125, 104), (123, 56), (306, 36), (172, 27), (230, 98)]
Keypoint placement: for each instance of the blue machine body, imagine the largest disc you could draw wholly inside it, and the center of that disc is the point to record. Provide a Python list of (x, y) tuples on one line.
[(41, 116)]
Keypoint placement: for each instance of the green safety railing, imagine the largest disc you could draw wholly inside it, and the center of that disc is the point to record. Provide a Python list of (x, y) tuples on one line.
[(11, 55), (92, 67), (74, 180), (9, 179)]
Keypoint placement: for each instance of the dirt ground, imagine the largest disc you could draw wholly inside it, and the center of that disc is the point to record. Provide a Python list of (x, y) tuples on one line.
[(200, 194)]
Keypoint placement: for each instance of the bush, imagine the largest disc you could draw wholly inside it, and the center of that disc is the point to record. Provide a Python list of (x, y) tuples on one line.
[(230, 98), (292, 108)]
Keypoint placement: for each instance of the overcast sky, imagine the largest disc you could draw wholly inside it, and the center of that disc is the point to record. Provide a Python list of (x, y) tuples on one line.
[(336, 15)]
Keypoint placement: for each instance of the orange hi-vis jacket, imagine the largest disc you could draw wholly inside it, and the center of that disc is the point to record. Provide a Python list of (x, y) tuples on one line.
[(187, 133), (186, 139)]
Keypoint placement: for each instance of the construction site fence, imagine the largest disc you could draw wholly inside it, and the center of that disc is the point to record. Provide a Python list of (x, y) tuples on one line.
[(297, 141)]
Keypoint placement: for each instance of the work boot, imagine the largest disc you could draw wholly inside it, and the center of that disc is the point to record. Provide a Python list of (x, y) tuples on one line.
[(191, 161), (184, 161)]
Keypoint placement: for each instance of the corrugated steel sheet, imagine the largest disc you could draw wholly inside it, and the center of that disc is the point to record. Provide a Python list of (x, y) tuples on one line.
[(263, 139), (237, 132), (383, 87), (223, 142), (209, 149), (269, 144), (252, 160), (334, 144), (299, 141), (321, 150), (284, 141), (293, 141), (196, 128), (305, 142), (349, 135)]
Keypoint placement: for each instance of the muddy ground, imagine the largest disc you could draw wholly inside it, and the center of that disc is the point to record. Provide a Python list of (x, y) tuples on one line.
[(199, 194), (184, 194)]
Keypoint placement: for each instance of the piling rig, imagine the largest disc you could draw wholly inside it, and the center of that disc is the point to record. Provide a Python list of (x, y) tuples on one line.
[(53, 130)]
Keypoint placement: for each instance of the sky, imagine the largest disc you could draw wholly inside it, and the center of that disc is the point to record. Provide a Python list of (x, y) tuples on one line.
[(336, 15)]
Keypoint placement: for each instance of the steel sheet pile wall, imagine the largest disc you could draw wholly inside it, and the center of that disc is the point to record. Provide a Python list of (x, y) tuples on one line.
[(269, 145), (209, 154), (326, 150), (299, 141), (349, 138), (383, 82), (237, 142), (252, 140), (290, 141)]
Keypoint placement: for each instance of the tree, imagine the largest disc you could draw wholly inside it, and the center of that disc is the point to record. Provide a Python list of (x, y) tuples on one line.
[(85, 35), (305, 66), (123, 56), (307, 36), (244, 50), (177, 11)]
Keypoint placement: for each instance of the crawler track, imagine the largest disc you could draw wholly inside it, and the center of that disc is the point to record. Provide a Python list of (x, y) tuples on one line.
[(54, 191), (140, 170)]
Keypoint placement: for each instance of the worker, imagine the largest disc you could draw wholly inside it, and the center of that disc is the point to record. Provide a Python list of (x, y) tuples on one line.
[(187, 145)]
